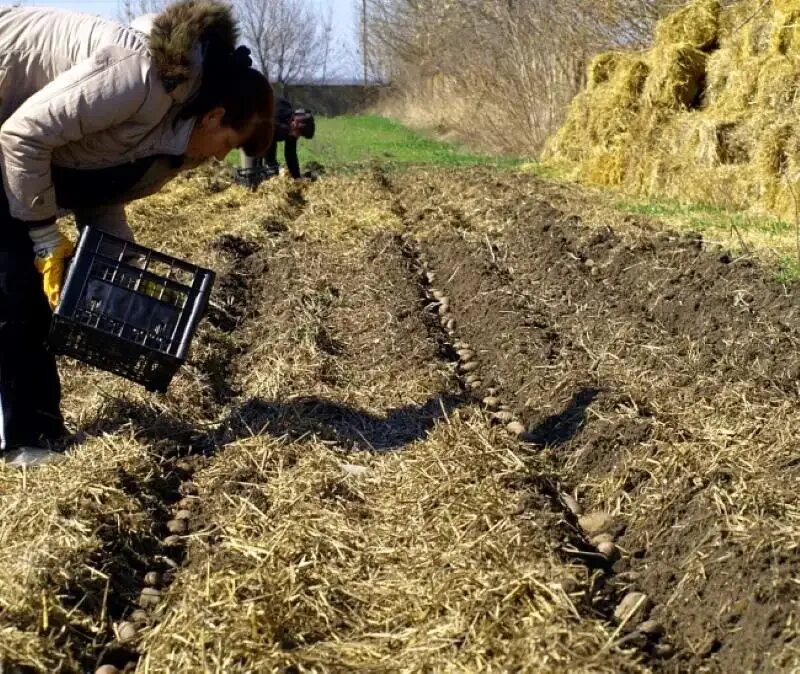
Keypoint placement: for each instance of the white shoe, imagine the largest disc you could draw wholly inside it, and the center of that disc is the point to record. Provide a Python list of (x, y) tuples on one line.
[(26, 457)]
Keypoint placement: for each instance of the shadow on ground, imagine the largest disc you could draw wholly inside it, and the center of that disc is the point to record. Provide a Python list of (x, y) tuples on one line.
[(308, 417), (562, 427), (327, 420)]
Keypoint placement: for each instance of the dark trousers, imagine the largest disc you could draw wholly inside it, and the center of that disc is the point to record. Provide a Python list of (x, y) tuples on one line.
[(30, 391)]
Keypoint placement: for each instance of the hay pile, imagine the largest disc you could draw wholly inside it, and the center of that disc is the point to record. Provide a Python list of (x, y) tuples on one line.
[(707, 114)]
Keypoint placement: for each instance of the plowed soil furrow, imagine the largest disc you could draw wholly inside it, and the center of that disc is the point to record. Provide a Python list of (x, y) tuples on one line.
[(110, 522), (660, 378), (435, 421), (361, 512)]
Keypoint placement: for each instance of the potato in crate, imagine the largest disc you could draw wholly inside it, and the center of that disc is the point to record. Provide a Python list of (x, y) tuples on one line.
[(128, 309)]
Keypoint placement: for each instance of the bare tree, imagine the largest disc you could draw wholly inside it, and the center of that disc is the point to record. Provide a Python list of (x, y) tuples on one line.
[(326, 41), (364, 42), (128, 10), (285, 36), (501, 71)]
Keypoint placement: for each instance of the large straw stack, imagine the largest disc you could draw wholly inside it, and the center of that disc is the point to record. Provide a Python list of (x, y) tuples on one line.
[(707, 114)]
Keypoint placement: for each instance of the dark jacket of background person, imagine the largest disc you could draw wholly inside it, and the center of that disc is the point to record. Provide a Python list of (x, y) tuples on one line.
[(283, 117)]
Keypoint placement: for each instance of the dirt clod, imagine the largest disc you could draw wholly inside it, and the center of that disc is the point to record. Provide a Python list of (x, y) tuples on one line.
[(651, 628), (664, 650)]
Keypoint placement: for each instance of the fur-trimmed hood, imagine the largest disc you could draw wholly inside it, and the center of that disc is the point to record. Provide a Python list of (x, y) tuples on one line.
[(118, 91), (185, 34)]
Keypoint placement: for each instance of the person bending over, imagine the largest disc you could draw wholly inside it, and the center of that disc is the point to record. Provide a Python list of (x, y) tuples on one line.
[(290, 125), (94, 114)]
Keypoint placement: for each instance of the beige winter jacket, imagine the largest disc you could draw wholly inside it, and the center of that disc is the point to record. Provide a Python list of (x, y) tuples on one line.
[(82, 92)]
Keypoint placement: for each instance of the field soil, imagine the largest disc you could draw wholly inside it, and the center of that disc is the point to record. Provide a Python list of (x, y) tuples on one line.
[(448, 420)]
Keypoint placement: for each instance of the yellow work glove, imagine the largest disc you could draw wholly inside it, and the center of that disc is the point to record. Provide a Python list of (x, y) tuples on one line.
[(51, 250)]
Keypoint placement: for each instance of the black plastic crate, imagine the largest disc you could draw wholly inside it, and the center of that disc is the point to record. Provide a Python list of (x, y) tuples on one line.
[(128, 309)]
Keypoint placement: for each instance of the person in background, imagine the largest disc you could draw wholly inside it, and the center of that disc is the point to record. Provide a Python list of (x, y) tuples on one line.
[(290, 125), (94, 114)]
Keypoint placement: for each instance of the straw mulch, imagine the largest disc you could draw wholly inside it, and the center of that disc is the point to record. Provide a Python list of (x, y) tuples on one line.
[(691, 440), (354, 511), (707, 114), (406, 552)]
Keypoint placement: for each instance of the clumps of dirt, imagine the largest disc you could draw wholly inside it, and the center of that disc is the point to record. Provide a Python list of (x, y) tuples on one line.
[(318, 538), (134, 563), (213, 177), (239, 272), (547, 275), (168, 493), (86, 539), (642, 364), (244, 268), (383, 288), (321, 462)]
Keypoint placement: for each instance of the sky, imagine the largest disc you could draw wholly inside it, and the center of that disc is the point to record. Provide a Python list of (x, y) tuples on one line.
[(343, 21)]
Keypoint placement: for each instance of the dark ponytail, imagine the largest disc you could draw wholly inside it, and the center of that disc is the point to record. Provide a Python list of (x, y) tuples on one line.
[(229, 81)]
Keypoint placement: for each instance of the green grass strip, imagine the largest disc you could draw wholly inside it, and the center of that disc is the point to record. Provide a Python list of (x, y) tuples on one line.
[(357, 141)]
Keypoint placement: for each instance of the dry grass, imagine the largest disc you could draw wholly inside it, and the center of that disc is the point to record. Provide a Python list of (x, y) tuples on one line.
[(714, 121), (355, 513), (54, 586), (707, 495), (332, 560), (417, 564)]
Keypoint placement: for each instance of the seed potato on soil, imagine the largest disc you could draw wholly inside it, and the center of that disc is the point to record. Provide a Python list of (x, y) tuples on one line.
[(305, 566)]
